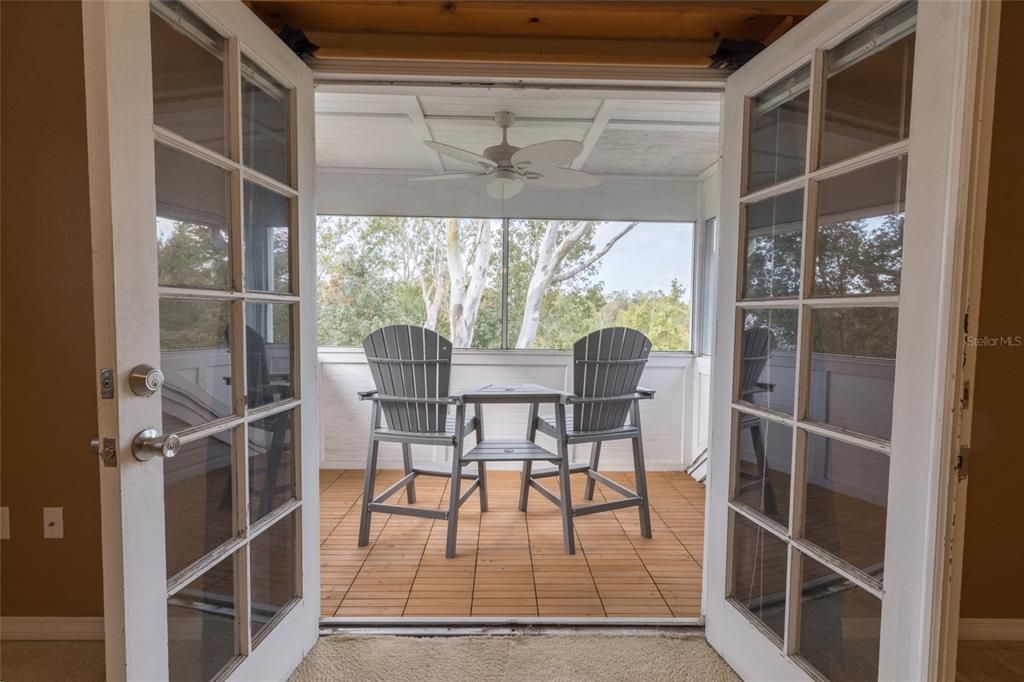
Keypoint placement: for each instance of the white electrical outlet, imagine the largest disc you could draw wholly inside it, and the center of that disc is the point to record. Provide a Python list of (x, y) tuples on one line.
[(53, 522), (5, 523)]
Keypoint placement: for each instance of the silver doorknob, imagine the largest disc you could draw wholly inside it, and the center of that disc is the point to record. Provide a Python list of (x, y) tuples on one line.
[(145, 380), (151, 443)]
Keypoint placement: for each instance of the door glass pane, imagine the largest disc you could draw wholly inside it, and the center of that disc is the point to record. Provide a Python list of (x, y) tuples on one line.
[(272, 555), (759, 573), (191, 221), (773, 237), (778, 131), (267, 216), (764, 452), (707, 304), (265, 115), (195, 360), (268, 344), (839, 625), (853, 365), (847, 488), (768, 360), (271, 463), (859, 246), (201, 624), (868, 86), (188, 76), (197, 500)]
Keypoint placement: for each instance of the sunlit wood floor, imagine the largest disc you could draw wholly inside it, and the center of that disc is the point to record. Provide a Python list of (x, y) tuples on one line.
[(510, 563)]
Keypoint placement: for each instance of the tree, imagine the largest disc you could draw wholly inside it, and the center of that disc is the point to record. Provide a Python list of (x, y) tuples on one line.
[(466, 285), (553, 264)]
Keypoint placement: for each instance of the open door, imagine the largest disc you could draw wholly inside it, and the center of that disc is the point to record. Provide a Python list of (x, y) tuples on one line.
[(839, 323), (200, 126)]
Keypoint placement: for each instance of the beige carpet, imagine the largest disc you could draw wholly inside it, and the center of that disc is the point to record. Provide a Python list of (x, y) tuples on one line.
[(51, 661), (545, 658), (980, 661)]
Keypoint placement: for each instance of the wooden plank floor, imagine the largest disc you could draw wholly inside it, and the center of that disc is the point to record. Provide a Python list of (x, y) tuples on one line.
[(510, 563)]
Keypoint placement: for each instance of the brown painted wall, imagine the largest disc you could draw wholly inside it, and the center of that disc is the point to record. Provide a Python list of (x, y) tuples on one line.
[(47, 406), (994, 549)]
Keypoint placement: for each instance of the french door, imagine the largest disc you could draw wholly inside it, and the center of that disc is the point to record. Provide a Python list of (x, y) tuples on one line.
[(837, 328), (200, 125)]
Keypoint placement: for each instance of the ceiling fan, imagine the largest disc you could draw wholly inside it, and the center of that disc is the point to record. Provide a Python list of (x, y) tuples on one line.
[(510, 167)]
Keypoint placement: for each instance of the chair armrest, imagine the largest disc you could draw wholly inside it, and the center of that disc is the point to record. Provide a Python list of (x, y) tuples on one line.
[(649, 392), (766, 388), (580, 400), (363, 395), (373, 395)]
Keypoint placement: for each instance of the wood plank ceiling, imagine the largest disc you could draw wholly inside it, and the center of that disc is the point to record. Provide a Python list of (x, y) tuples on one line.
[(592, 32)]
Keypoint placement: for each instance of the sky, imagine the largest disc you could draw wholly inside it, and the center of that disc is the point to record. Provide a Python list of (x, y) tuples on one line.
[(647, 258)]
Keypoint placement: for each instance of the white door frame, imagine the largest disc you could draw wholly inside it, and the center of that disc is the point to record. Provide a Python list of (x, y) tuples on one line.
[(123, 208), (935, 244)]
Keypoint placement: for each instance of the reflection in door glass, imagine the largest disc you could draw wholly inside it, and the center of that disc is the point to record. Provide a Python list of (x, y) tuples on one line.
[(192, 232), (853, 366), (188, 76), (198, 494), (847, 489), (273, 560), (265, 116), (859, 244), (868, 87), (774, 234), (778, 131), (195, 360), (839, 625), (271, 463), (768, 360), (267, 248), (764, 453), (268, 347), (759, 573), (201, 625)]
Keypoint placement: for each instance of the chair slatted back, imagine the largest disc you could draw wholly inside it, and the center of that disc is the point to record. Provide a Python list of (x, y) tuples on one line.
[(410, 362), (607, 363), (755, 357)]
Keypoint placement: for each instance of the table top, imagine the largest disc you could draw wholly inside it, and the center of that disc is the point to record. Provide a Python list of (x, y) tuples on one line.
[(513, 393)]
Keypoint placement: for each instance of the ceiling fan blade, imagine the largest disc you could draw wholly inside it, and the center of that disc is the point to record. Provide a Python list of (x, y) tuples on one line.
[(501, 188), (447, 176), (460, 154), (566, 178), (544, 155)]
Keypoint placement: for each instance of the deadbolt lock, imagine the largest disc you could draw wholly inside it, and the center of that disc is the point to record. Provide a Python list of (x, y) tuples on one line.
[(145, 380)]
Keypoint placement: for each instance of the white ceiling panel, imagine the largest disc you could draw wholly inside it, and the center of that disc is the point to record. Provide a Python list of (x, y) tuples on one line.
[(379, 143), (650, 152), (528, 104)]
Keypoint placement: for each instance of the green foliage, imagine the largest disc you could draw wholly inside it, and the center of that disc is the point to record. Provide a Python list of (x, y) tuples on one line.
[(369, 276)]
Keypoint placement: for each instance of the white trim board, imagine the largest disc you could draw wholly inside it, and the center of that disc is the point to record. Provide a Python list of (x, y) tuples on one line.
[(51, 628), (993, 629)]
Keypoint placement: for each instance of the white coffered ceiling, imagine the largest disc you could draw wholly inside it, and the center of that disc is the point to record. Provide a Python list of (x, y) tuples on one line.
[(623, 133)]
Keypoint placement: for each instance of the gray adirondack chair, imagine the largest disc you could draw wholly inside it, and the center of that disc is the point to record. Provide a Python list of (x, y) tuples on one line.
[(607, 365), (411, 367), (756, 345)]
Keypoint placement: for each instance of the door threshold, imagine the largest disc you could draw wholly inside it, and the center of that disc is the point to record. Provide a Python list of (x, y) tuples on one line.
[(443, 626)]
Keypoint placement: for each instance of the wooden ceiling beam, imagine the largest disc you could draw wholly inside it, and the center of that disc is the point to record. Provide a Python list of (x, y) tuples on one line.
[(504, 49)]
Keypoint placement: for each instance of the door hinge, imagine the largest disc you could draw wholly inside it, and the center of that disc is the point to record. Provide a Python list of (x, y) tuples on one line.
[(963, 460)]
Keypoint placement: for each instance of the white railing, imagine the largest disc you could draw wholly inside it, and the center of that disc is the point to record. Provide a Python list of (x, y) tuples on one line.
[(345, 420)]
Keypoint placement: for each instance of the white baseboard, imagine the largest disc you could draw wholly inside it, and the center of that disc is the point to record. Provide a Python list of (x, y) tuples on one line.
[(1001, 629), (25, 628)]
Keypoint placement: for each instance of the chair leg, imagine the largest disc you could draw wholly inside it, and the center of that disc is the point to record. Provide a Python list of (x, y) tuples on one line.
[(640, 473), (481, 467), (595, 459), (531, 435), (524, 486), (771, 508), (455, 487), (564, 484), (369, 478), (410, 488)]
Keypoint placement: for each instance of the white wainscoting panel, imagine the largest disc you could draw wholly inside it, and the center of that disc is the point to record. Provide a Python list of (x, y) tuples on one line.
[(345, 419)]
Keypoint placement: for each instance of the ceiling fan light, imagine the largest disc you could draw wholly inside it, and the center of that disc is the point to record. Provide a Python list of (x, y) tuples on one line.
[(504, 187)]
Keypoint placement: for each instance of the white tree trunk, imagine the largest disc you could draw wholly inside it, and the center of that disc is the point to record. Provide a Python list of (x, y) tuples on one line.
[(466, 288)]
